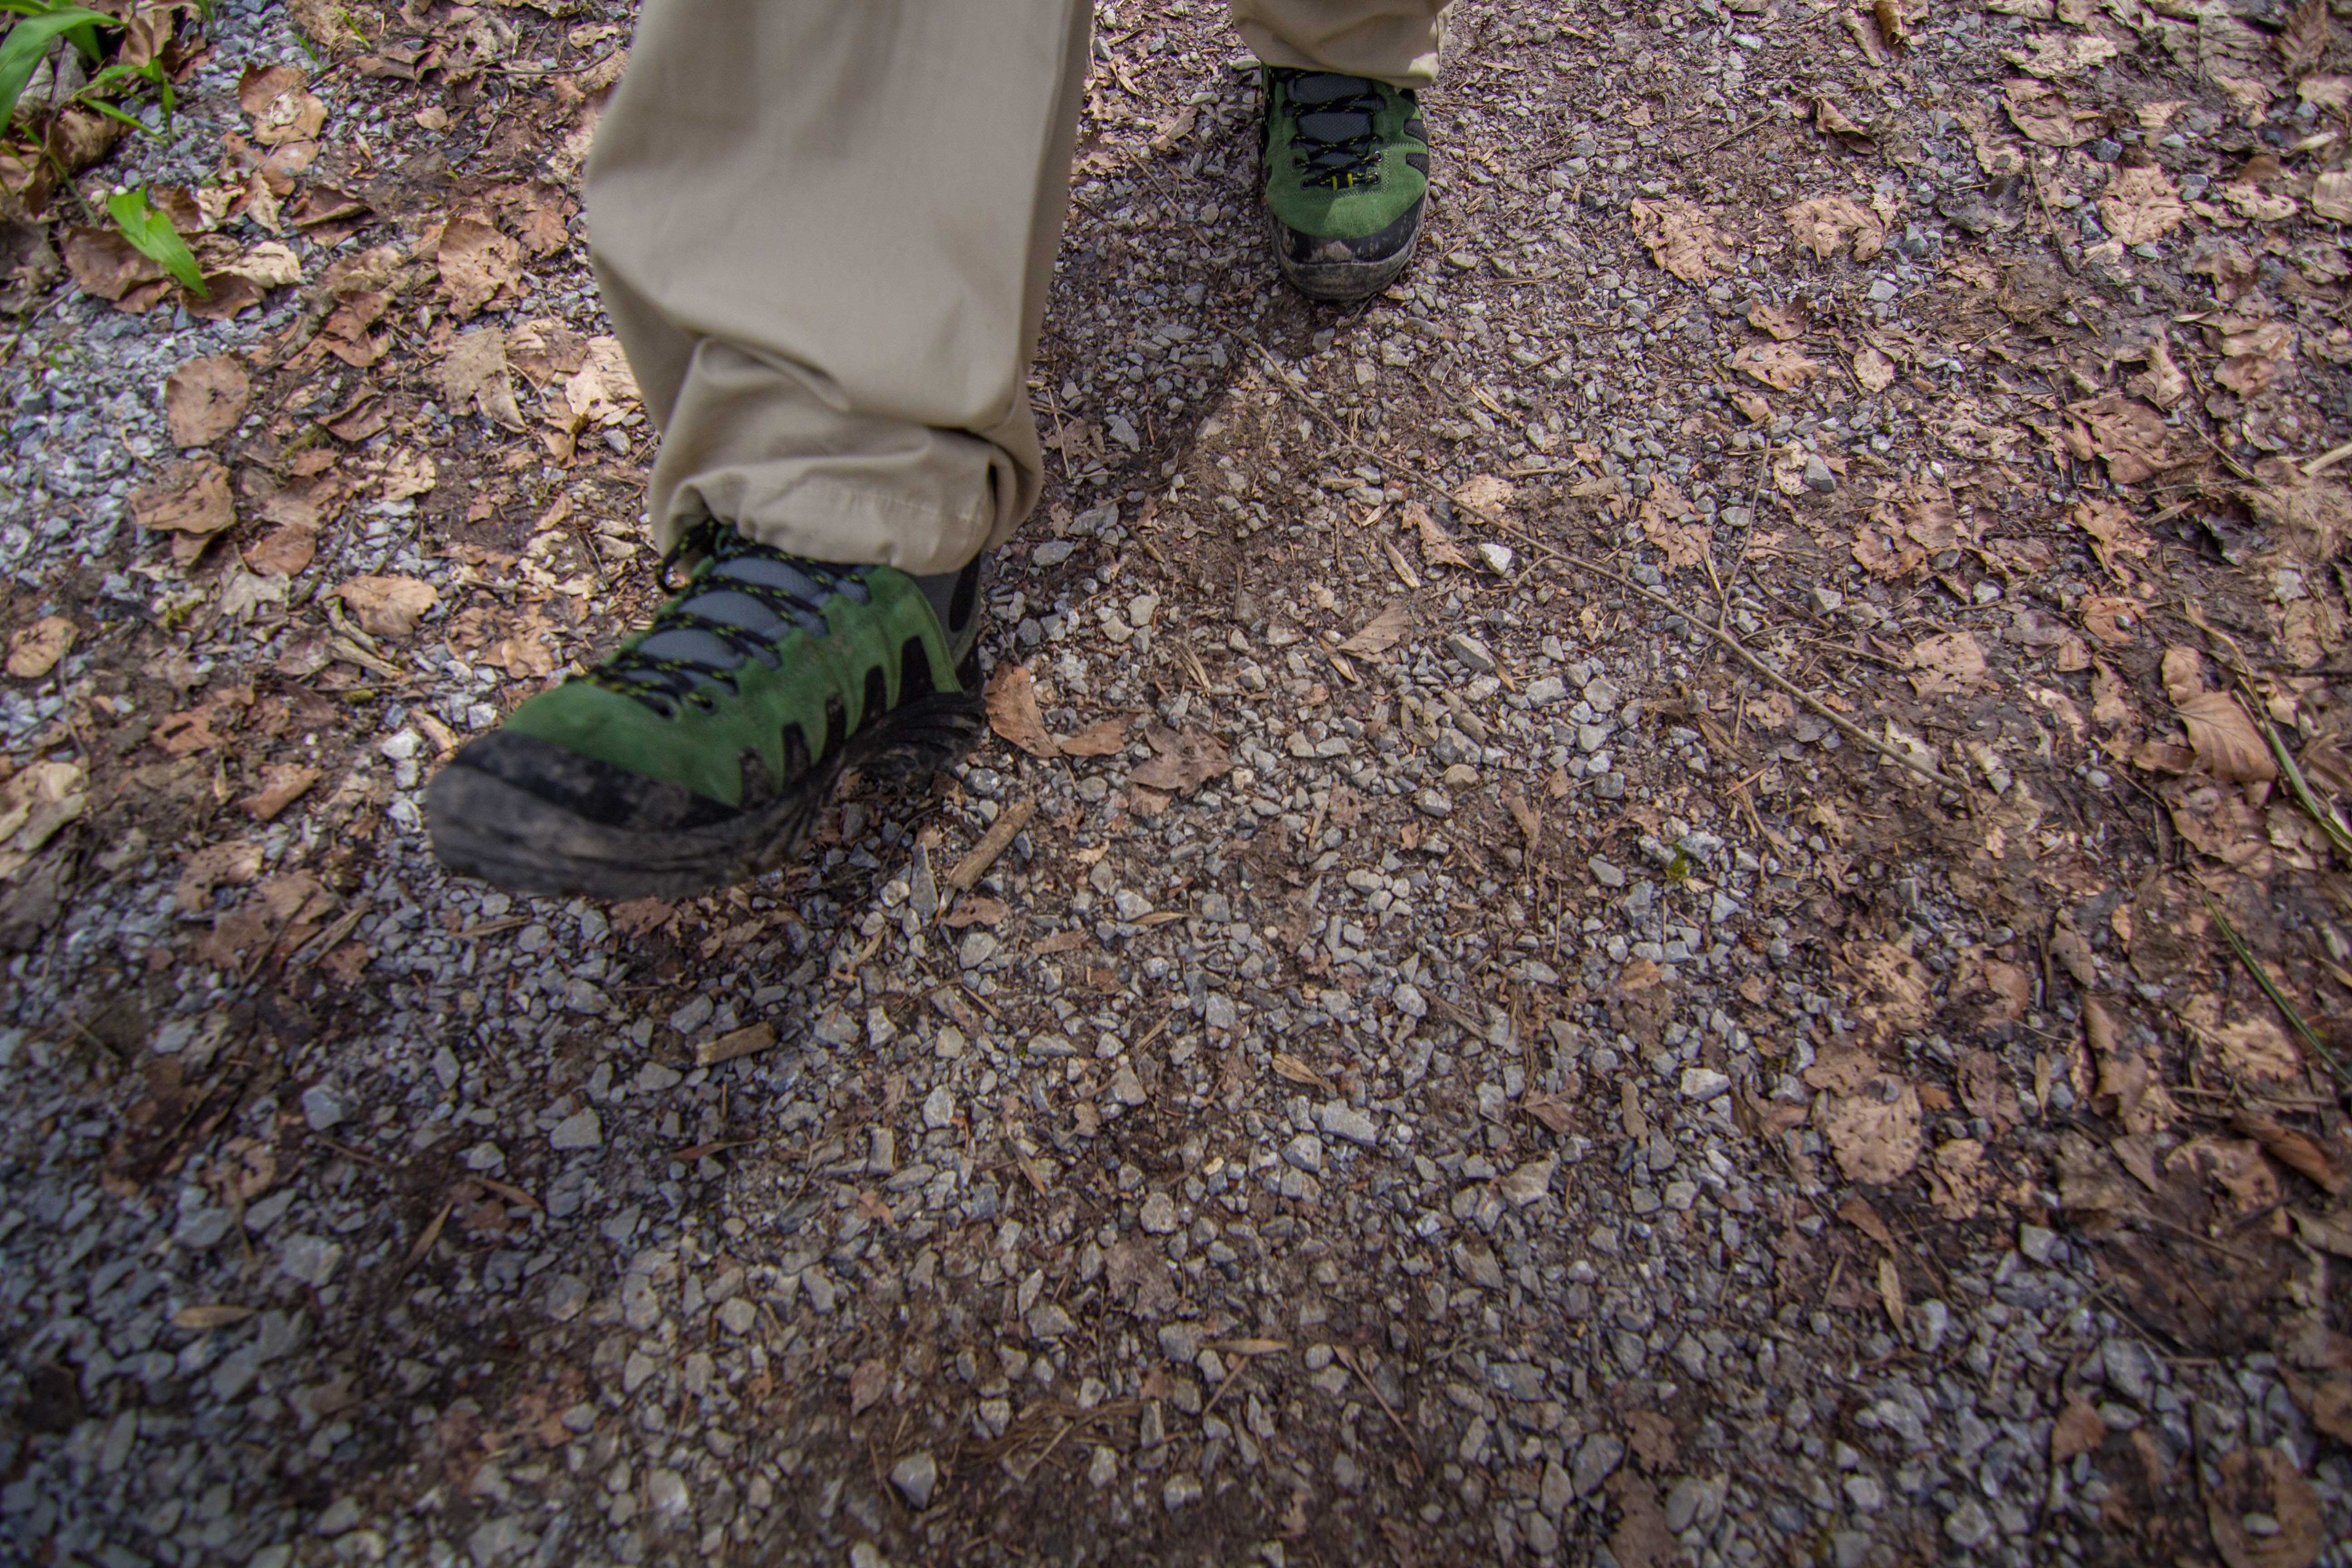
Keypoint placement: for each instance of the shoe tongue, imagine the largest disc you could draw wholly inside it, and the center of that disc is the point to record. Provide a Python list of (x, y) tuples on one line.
[(769, 572), (1323, 86), (691, 644), (717, 602), (1333, 126), (684, 644)]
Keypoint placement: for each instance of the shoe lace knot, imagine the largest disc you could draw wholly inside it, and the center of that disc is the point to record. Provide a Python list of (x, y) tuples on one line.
[(1335, 141), (736, 604)]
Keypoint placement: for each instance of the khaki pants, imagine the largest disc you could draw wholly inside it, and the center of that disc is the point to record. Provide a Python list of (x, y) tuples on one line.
[(824, 234)]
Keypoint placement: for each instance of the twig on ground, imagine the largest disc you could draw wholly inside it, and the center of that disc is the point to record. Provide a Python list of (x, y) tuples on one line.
[(974, 866), (2269, 986), (1348, 1359), (1851, 731)]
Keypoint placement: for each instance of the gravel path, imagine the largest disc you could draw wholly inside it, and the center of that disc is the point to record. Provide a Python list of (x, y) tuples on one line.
[(1462, 1066)]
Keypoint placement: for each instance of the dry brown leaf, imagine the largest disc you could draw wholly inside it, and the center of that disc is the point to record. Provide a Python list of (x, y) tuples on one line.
[(2182, 672), (1663, 519), (1437, 546), (474, 371), (1835, 121), (2113, 533), (2302, 43), (2331, 195), (228, 864), (1382, 631), (1680, 238), (1185, 762), (2048, 115), (409, 474), (867, 1385), (1893, 992), (281, 111), (203, 1318), (2103, 616), (1947, 664), (1824, 224), (268, 265), (1783, 322), (103, 263), (283, 552), (367, 414), (281, 784), (546, 348), (2163, 383), (2227, 745), (1873, 370), (2330, 1404), (2062, 54), (2264, 1481), (2309, 519), (1106, 739), (205, 398), (1856, 1212), (192, 497), (1556, 1111), (35, 804), (2109, 705), (475, 262), (1012, 711), (972, 910), (2078, 1430), (1485, 495), (1655, 1442), (1641, 1538), (1883, 547), (2296, 1151), (2131, 437), (1875, 1134), (387, 606), (2257, 1048), (1777, 365), (2140, 205), (34, 650), (1959, 1183), (528, 652)]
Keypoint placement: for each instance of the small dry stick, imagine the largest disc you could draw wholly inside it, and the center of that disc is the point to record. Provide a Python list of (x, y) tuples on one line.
[(1851, 731), (974, 866), (1348, 1359), (743, 1042), (424, 1242)]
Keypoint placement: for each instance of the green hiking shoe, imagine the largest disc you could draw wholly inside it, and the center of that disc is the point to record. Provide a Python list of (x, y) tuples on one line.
[(1347, 178), (695, 755)]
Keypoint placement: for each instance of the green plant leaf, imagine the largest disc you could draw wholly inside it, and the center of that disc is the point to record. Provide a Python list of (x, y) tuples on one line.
[(100, 105), (29, 39), (152, 235)]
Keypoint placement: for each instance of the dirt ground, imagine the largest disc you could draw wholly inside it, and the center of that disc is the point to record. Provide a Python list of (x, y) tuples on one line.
[(1676, 895)]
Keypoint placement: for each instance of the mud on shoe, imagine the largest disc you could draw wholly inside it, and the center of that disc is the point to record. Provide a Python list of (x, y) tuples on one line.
[(696, 755), (1346, 180)]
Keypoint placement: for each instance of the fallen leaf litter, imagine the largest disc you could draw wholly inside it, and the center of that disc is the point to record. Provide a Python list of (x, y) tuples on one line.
[(1642, 895)]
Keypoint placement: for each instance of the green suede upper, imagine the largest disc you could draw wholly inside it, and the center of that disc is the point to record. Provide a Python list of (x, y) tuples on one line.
[(700, 742), (1361, 201)]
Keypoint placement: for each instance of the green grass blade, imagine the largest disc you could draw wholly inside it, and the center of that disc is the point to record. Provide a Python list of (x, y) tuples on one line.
[(28, 41), (2307, 796), (152, 235), (102, 107), (2270, 989)]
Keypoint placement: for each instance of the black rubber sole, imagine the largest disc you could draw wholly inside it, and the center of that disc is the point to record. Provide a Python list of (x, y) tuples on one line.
[(486, 827), (1341, 278)]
